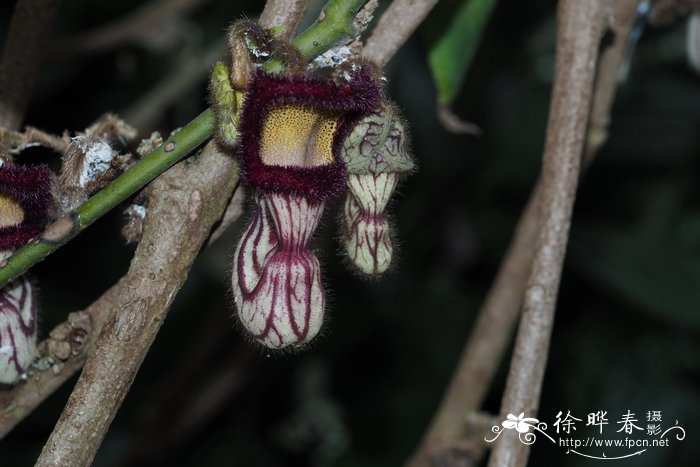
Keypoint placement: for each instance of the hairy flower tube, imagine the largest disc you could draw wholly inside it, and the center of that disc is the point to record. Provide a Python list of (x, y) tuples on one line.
[(25, 199), (376, 154), (291, 131), (18, 309)]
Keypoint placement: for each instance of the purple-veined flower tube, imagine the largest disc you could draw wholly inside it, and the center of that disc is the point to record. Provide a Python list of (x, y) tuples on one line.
[(367, 231), (277, 279), (376, 154), (291, 130), (25, 198), (17, 329)]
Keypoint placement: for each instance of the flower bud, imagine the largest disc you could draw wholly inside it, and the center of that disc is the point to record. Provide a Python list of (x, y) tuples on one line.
[(375, 154)]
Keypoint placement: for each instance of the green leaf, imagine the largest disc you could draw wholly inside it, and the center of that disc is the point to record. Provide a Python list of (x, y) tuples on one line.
[(452, 55), (655, 275)]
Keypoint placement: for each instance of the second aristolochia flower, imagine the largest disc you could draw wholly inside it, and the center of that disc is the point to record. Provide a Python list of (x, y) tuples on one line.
[(291, 132), (376, 153), (25, 197)]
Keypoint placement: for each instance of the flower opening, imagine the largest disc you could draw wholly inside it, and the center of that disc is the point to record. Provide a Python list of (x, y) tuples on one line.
[(292, 128), (25, 199)]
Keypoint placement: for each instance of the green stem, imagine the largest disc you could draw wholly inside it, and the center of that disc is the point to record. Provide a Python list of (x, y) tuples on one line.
[(171, 151), (335, 27), (319, 37)]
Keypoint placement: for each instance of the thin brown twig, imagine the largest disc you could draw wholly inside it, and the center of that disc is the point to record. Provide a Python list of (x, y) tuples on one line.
[(205, 357), (622, 18), (234, 210), (446, 438), (17, 141), (189, 71), (580, 29), (199, 407), (283, 14), (184, 203), (667, 12), (19, 401), (394, 28), (24, 50), (495, 321), (144, 25)]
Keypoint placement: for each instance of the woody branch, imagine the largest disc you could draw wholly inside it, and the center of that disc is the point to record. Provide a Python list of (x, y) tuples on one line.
[(580, 28)]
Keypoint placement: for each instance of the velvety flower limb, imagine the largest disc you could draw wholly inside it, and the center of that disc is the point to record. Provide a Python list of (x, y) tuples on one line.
[(25, 199)]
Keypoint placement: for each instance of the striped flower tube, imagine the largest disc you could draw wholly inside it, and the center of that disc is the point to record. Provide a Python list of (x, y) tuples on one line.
[(25, 198), (376, 154), (291, 128)]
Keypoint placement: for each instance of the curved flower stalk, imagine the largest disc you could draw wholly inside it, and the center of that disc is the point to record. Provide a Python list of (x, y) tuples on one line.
[(25, 199), (376, 154), (291, 130)]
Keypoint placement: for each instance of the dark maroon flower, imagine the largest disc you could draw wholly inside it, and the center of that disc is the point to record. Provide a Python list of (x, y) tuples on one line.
[(291, 130), (25, 200)]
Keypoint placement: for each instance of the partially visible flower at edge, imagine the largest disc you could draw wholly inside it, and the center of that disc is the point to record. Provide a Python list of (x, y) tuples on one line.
[(25, 201)]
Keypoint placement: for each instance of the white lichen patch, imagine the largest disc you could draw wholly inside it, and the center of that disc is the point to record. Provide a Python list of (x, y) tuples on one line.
[(333, 57), (98, 157), (139, 210)]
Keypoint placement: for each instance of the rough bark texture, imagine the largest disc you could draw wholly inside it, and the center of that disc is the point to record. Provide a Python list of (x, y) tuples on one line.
[(447, 437), (623, 16), (284, 14), (184, 204), (394, 28), (580, 28), (446, 442)]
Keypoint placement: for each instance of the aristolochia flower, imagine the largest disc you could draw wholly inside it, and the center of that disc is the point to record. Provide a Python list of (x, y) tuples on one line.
[(291, 132), (25, 198), (376, 153), (17, 329)]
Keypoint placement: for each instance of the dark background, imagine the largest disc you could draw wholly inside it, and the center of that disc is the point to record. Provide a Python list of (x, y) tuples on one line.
[(628, 317)]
